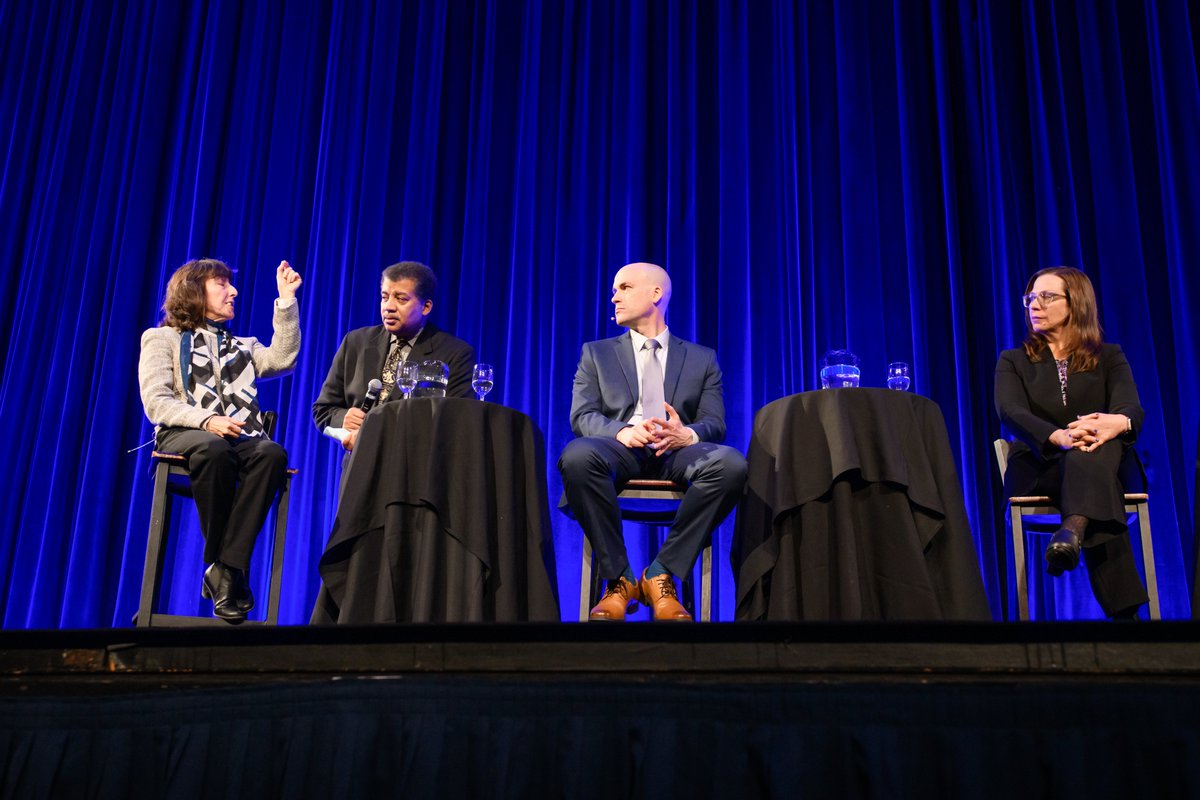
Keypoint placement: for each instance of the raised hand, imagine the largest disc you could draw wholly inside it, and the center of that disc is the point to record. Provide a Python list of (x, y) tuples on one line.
[(287, 280)]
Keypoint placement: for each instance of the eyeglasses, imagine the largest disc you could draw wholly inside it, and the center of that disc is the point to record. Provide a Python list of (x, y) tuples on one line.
[(1043, 298)]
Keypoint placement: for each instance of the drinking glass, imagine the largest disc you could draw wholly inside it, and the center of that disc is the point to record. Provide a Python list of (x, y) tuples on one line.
[(897, 376), (432, 377), (406, 377), (839, 370), (481, 380)]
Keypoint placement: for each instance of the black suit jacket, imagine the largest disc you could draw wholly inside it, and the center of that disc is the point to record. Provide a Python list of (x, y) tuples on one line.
[(360, 358), (606, 388), (1029, 397)]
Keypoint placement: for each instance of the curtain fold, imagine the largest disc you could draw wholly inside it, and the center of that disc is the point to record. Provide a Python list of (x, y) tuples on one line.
[(460, 736), (813, 175)]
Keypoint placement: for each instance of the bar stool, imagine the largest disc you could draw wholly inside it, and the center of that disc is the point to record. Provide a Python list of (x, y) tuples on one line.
[(632, 497), (171, 478), (1041, 506)]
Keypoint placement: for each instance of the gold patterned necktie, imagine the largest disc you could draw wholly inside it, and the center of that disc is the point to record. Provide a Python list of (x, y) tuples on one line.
[(389, 368)]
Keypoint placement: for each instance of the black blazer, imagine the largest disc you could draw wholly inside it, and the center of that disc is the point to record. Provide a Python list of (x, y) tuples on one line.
[(360, 358), (1029, 397), (606, 388)]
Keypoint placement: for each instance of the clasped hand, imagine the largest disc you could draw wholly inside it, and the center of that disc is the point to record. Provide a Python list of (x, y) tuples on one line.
[(662, 435), (1090, 431)]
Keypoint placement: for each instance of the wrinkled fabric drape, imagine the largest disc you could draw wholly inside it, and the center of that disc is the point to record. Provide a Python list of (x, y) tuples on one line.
[(435, 737), (813, 175)]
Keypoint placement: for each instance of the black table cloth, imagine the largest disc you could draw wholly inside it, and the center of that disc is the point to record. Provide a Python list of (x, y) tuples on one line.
[(1196, 540), (854, 510), (443, 518)]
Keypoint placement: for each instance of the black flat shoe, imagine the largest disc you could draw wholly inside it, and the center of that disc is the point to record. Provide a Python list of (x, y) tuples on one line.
[(220, 586), (1062, 554), (1127, 615)]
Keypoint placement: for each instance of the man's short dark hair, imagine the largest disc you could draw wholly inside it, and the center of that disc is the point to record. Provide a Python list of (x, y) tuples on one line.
[(424, 281)]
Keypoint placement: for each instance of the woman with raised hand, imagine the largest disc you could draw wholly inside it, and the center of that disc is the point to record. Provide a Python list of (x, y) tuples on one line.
[(199, 386)]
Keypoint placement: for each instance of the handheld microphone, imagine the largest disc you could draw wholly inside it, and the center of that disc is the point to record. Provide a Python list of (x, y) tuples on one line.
[(373, 390)]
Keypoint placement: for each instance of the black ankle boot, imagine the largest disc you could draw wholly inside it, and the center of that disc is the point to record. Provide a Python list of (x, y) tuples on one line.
[(1062, 554), (220, 586), (245, 597)]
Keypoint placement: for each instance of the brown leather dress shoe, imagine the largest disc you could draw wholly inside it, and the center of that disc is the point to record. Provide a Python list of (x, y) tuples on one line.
[(620, 597), (659, 593)]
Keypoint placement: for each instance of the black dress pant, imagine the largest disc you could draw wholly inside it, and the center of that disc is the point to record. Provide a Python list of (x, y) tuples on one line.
[(593, 466), (1091, 484), (234, 484)]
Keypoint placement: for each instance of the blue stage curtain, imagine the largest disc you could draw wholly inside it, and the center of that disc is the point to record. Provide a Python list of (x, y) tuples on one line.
[(882, 177)]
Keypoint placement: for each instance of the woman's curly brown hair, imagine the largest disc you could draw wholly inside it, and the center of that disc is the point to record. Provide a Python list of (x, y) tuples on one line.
[(186, 302)]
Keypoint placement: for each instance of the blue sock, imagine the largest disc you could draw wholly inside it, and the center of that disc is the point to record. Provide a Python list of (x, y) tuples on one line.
[(655, 569), (628, 574)]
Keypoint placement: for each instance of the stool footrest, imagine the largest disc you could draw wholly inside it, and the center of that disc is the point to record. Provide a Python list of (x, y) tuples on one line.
[(648, 483)]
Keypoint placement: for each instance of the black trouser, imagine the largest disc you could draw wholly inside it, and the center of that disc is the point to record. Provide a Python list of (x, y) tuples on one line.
[(1089, 484), (593, 466), (234, 484)]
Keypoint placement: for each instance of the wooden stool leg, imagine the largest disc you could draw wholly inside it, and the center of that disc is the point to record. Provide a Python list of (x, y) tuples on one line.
[(706, 583), (585, 582), (1143, 515), (160, 513), (275, 588), (1018, 543)]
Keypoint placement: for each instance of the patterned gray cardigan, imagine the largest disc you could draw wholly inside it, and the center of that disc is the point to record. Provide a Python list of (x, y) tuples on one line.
[(161, 380)]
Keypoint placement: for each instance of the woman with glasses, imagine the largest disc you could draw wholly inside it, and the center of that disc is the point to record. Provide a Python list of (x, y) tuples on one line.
[(1069, 398)]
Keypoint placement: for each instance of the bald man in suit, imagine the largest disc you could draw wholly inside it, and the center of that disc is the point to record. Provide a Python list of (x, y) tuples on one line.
[(647, 404)]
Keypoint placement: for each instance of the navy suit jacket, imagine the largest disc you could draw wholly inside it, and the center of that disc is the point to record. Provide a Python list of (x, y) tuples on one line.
[(606, 388), (360, 358)]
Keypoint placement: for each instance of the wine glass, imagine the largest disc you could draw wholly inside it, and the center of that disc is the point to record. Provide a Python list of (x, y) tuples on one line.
[(481, 379), (406, 377), (897, 376)]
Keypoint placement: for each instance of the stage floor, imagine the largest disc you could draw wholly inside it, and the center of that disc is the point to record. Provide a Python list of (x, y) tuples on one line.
[(120, 660), (1064, 710)]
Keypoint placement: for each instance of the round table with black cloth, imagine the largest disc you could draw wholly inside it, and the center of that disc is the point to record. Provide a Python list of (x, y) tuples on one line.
[(854, 511), (443, 518), (1196, 539)]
